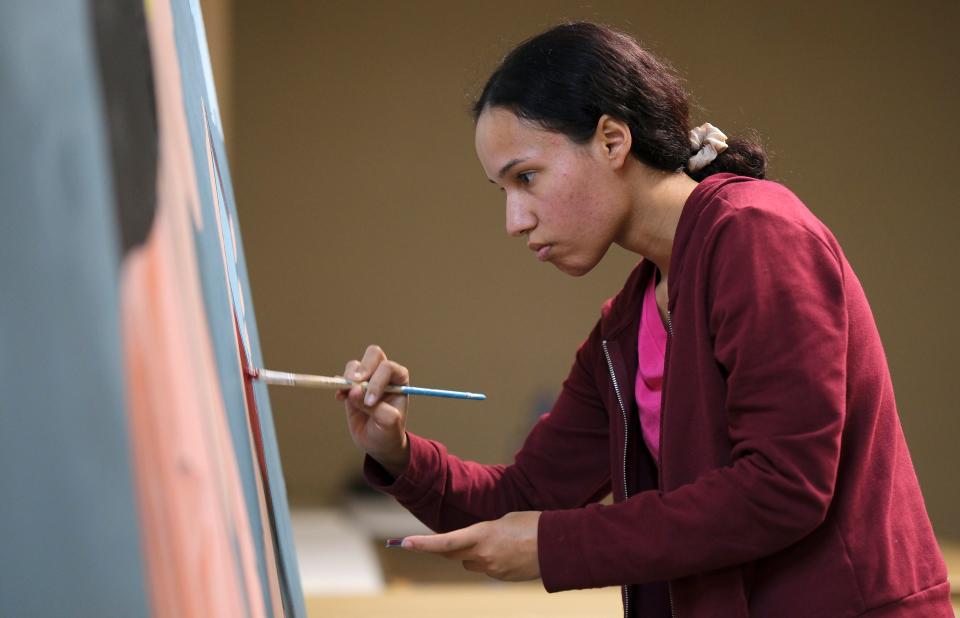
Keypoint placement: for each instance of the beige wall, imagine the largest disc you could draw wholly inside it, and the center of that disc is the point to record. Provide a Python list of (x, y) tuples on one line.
[(366, 217), (218, 20)]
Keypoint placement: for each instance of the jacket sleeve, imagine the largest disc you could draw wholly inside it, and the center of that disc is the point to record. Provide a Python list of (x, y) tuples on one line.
[(778, 319), (563, 463)]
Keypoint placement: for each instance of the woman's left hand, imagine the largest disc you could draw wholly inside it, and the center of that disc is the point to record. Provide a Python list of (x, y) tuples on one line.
[(504, 549)]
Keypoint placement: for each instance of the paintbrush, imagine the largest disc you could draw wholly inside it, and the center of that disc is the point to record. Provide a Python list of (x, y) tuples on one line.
[(283, 378)]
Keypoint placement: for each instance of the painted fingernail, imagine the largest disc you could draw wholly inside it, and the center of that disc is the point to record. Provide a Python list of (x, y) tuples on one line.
[(370, 399), (394, 542)]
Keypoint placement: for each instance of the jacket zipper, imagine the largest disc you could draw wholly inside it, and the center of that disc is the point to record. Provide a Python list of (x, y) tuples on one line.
[(673, 612), (626, 433)]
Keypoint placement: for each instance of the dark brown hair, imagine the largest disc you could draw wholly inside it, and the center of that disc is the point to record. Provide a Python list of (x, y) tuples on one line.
[(566, 78)]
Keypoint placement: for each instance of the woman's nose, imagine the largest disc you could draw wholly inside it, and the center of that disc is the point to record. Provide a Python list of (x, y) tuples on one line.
[(520, 219)]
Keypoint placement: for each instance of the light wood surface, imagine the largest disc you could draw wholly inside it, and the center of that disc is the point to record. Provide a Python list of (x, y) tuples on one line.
[(528, 600), (469, 601), (479, 601)]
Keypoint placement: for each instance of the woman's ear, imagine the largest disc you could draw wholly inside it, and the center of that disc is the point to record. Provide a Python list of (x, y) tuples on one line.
[(614, 140)]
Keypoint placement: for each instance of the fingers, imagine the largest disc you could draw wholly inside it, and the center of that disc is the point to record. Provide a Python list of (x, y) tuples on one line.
[(486, 547), (377, 371), (371, 360), (388, 372), (383, 414), (348, 370), (444, 544), (459, 545)]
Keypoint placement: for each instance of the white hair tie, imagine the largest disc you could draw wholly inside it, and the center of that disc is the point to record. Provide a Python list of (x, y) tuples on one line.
[(709, 142)]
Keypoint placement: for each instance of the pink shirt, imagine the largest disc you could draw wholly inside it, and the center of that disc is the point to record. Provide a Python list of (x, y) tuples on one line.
[(651, 348)]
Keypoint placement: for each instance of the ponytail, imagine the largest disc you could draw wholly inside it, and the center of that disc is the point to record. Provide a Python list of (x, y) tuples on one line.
[(566, 78)]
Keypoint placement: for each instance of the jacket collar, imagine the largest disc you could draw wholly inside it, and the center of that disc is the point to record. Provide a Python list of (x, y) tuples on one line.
[(623, 310), (697, 202)]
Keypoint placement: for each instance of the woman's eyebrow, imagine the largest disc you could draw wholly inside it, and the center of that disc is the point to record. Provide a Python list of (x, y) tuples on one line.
[(506, 168)]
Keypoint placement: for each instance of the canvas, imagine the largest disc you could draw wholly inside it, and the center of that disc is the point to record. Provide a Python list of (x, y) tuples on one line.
[(142, 472)]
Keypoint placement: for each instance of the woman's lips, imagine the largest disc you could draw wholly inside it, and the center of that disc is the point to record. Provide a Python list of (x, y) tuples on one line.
[(543, 253)]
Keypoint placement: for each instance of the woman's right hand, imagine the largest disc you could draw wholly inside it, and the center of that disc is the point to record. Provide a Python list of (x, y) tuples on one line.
[(377, 420)]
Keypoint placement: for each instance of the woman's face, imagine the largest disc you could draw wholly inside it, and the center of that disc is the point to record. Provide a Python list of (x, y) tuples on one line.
[(562, 196)]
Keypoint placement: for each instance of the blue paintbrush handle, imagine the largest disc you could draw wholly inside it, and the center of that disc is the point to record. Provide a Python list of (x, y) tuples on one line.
[(435, 392)]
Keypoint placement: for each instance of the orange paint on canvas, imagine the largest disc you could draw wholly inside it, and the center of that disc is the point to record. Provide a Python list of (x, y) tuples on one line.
[(199, 556)]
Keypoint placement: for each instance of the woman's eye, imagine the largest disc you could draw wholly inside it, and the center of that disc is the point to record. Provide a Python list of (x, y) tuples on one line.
[(525, 177)]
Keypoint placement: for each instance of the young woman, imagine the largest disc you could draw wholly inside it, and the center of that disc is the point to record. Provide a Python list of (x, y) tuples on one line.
[(734, 396)]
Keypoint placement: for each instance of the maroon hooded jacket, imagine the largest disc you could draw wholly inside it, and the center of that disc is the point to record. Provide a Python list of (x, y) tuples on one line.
[(785, 487)]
